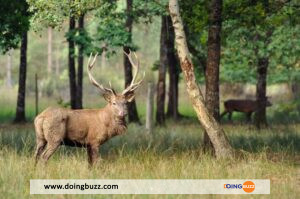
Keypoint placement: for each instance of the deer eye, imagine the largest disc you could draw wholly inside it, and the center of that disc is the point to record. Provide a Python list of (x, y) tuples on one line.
[(114, 103)]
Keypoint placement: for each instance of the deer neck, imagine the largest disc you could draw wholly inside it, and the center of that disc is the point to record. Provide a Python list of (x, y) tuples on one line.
[(117, 121)]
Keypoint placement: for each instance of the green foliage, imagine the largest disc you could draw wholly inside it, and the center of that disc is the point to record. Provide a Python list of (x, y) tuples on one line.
[(82, 38), (54, 12), (284, 52), (155, 65), (144, 11), (253, 30), (62, 103), (195, 15), (14, 19), (247, 26), (290, 109), (111, 31), (111, 17)]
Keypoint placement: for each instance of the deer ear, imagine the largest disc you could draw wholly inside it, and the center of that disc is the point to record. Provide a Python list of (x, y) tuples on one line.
[(129, 96), (107, 97)]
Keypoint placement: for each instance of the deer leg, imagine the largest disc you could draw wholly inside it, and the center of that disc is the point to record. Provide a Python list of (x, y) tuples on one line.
[(92, 154), (249, 117), (50, 149), (229, 116), (40, 146)]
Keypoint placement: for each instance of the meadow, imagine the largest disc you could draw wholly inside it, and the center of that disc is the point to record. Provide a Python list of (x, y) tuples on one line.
[(171, 152)]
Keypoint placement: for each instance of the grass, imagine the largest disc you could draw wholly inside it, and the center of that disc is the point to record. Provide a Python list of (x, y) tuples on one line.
[(174, 152), (171, 152)]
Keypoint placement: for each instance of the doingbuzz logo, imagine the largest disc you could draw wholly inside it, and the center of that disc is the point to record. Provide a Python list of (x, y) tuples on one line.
[(248, 186)]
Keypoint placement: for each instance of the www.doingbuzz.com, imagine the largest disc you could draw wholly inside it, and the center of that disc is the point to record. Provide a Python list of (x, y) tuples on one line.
[(81, 187), (149, 186)]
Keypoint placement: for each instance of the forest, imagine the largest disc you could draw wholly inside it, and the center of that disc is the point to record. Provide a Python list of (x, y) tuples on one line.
[(202, 90)]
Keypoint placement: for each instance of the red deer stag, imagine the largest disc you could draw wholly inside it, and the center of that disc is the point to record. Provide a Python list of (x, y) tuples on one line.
[(244, 106), (87, 127)]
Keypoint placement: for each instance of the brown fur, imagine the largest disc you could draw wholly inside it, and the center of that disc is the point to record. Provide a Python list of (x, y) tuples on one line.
[(85, 128), (82, 128), (245, 106)]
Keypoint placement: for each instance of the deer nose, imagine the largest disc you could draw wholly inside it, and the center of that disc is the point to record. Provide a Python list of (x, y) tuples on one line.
[(122, 113)]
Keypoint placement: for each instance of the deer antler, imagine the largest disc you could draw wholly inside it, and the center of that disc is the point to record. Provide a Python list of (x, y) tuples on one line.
[(90, 65), (133, 86)]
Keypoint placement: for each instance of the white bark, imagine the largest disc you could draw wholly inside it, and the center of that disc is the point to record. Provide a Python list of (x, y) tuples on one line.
[(49, 65), (215, 132)]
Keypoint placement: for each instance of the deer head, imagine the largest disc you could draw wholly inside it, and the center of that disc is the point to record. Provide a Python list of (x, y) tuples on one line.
[(117, 101)]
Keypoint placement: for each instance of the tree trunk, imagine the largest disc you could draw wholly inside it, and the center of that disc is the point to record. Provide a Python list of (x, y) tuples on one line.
[(49, 65), (20, 113), (295, 86), (8, 69), (262, 71), (57, 64), (80, 65), (173, 73), (161, 84), (72, 71), (213, 62), (216, 134), (149, 112), (132, 110), (261, 90)]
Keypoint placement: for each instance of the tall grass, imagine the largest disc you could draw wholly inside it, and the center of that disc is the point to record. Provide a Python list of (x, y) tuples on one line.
[(171, 152), (174, 152)]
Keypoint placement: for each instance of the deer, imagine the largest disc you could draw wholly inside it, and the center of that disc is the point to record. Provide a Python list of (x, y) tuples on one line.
[(88, 128), (244, 106)]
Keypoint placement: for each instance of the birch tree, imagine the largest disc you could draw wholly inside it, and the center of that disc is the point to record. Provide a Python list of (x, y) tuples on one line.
[(215, 132)]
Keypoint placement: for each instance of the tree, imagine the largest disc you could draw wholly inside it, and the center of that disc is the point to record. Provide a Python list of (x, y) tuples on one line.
[(15, 24), (262, 71), (196, 15), (77, 36), (204, 20), (114, 30), (14, 21), (71, 65), (132, 110), (174, 71), (111, 33), (216, 134), (163, 64), (261, 91), (80, 60), (168, 61), (212, 64), (20, 112), (53, 13), (258, 25)]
